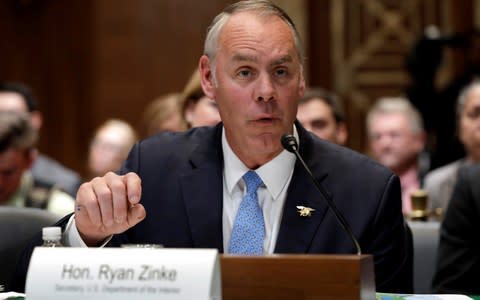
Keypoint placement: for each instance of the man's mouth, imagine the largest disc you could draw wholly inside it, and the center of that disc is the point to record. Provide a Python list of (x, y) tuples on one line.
[(266, 118), (265, 121)]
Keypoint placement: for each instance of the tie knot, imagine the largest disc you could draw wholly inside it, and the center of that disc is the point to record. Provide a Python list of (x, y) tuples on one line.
[(252, 180)]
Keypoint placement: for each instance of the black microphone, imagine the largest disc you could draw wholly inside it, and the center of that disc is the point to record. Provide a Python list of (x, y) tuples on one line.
[(289, 142)]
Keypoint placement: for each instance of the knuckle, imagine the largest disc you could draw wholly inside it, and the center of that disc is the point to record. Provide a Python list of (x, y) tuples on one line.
[(117, 186), (111, 175), (83, 191), (103, 194)]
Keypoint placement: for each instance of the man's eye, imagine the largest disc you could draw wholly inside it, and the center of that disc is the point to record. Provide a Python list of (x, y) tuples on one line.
[(281, 72), (244, 73), (474, 114), (319, 124)]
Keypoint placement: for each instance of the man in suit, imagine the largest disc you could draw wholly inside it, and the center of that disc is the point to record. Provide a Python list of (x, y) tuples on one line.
[(15, 96), (440, 182), (185, 189), (458, 260), (18, 187), (396, 139), (321, 112)]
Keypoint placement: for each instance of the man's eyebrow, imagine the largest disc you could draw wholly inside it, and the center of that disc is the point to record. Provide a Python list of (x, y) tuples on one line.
[(282, 60), (242, 57)]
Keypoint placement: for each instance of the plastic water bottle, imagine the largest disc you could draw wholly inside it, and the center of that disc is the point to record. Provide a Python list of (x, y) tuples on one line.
[(52, 237)]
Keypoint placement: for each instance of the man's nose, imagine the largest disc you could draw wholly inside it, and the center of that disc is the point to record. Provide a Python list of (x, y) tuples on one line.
[(265, 88)]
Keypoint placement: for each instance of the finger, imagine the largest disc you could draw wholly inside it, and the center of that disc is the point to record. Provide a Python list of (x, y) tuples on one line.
[(136, 214), (134, 187), (119, 198), (104, 196), (87, 209)]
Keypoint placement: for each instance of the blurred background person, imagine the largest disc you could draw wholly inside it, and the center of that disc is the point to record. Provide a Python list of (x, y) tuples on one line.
[(321, 112), (110, 146), (18, 97), (198, 110), (440, 182), (458, 259), (18, 152), (163, 114), (435, 94), (396, 139)]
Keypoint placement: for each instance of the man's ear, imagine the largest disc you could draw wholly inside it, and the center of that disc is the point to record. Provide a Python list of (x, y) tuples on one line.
[(32, 155), (302, 87), (342, 133), (206, 76), (36, 119), (421, 140)]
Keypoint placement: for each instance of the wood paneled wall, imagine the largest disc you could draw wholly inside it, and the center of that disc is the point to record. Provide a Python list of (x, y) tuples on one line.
[(89, 60), (46, 44)]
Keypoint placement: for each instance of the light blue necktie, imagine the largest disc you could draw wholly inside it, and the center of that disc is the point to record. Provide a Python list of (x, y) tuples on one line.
[(248, 230)]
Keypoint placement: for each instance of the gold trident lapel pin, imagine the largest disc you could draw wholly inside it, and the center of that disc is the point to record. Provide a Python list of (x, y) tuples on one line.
[(305, 211)]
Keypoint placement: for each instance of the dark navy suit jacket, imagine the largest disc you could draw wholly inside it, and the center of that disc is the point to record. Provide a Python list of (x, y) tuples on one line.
[(182, 191), (458, 259)]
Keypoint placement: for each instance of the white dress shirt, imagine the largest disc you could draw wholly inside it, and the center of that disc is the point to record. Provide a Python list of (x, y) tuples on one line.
[(276, 176)]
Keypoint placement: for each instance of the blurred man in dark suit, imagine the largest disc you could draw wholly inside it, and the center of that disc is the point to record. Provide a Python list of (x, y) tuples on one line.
[(15, 96), (18, 188), (458, 260), (321, 112)]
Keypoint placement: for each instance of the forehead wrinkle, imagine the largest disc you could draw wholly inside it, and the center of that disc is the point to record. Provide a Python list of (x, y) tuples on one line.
[(284, 59), (238, 33), (238, 57), (244, 57)]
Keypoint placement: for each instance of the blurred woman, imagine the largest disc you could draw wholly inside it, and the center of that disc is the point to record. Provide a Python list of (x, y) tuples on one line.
[(198, 110), (163, 114)]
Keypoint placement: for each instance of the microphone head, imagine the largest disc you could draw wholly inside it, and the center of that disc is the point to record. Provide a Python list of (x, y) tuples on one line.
[(289, 142)]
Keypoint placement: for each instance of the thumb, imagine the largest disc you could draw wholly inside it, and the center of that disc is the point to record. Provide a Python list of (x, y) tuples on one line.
[(136, 214)]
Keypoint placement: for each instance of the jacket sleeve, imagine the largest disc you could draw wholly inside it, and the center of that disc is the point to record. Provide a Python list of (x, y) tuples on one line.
[(458, 260), (392, 245)]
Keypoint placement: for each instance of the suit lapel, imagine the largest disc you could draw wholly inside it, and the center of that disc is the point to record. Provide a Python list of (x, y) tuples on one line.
[(202, 192), (297, 232)]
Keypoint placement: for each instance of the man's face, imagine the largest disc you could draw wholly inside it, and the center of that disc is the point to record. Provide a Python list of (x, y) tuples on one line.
[(258, 81), (108, 150), (13, 162), (470, 124), (317, 116), (392, 141)]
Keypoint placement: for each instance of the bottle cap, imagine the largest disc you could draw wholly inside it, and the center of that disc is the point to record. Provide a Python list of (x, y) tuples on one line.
[(52, 233)]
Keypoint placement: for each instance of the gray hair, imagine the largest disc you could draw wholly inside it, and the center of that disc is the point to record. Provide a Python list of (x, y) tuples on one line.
[(396, 105), (462, 98), (16, 131), (263, 8)]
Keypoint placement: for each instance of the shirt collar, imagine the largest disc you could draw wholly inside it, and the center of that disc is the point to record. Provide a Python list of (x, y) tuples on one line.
[(410, 177), (19, 198), (274, 174)]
